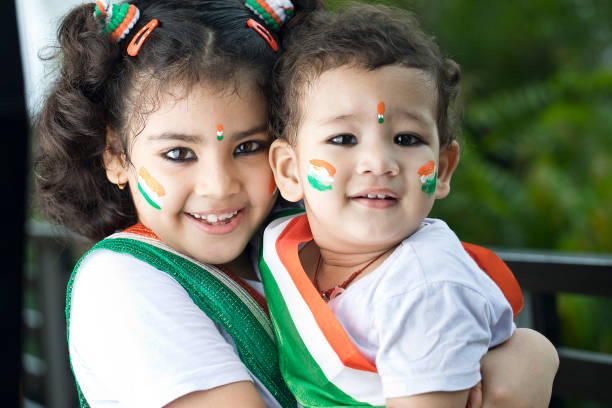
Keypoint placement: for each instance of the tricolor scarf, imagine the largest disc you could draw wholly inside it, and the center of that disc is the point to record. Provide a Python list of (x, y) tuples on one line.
[(224, 299), (319, 362)]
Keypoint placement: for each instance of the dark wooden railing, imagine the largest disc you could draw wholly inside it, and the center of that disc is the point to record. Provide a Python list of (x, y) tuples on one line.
[(48, 381), (542, 275)]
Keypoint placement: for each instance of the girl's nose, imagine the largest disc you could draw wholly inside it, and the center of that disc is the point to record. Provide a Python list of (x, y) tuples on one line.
[(216, 179)]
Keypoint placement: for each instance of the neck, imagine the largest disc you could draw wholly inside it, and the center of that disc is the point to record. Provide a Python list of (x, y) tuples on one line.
[(334, 267)]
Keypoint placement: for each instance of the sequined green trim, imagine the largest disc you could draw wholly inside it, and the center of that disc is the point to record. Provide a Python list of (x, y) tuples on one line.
[(256, 348)]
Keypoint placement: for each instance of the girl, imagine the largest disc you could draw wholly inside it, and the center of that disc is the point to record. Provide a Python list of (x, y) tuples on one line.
[(157, 124)]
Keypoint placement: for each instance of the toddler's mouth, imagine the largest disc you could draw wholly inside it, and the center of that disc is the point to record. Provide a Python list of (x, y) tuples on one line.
[(374, 197)]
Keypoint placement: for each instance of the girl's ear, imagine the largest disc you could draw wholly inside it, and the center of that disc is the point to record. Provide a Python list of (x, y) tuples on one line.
[(284, 163), (114, 159), (449, 158)]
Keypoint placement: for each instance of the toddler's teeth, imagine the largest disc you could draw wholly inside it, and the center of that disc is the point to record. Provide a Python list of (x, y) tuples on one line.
[(211, 218), (381, 196), (371, 195)]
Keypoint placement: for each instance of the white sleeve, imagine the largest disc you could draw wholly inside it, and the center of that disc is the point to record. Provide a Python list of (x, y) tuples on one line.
[(137, 339), (433, 337)]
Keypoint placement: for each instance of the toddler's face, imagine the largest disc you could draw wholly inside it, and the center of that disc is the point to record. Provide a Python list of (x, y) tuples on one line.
[(368, 156), (200, 177)]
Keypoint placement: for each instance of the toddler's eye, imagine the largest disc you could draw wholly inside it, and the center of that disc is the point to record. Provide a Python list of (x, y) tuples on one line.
[(180, 154), (343, 139), (407, 139), (251, 146)]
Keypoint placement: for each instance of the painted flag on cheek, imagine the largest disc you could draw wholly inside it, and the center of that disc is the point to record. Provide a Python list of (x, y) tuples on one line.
[(428, 177), (320, 174), (150, 189)]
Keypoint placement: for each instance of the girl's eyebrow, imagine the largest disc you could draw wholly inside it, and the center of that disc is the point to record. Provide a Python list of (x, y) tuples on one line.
[(176, 136), (197, 138)]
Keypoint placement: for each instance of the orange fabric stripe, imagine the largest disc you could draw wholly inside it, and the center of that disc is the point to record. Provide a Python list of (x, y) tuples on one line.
[(327, 166), (296, 232), (427, 168), (219, 128), (381, 108), (140, 229), (152, 183), (499, 272)]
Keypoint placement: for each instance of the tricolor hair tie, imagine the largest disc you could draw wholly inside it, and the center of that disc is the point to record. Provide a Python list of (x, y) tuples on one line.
[(274, 12), (265, 34), (117, 19), (140, 37)]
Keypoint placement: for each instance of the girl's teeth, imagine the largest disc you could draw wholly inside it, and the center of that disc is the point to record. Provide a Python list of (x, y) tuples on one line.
[(371, 195), (212, 218), (382, 196), (379, 196)]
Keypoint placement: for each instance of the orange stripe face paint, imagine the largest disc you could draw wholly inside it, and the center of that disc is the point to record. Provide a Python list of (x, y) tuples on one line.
[(150, 189), (272, 188), (320, 174), (428, 176), (219, 132), (381, 112)]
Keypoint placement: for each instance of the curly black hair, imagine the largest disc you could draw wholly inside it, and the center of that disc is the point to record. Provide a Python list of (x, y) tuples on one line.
[(100, 87)]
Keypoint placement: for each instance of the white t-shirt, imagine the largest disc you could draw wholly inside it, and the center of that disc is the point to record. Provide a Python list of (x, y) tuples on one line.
[(138, 340), (426, 316)]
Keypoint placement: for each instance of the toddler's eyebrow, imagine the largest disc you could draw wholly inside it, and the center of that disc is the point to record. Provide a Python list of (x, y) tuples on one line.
[(197, 138)]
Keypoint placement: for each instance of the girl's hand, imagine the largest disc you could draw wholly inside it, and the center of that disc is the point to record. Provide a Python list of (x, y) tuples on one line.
[(520, 372)]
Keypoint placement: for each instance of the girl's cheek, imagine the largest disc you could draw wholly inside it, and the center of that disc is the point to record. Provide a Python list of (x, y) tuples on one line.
[(151, 189)]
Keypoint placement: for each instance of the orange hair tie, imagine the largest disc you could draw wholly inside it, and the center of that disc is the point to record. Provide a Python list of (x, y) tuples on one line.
[(140, 37), (265, 34)]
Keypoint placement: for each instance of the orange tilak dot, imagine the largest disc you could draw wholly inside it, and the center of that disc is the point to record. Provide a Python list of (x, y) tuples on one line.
[(381, 108)]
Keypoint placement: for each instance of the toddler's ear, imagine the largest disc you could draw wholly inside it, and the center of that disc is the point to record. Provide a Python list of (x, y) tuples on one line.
[(449, 158), (114, 159), (284, 163)]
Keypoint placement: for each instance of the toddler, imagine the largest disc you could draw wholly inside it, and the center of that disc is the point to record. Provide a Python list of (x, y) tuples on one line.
[(374, 302)]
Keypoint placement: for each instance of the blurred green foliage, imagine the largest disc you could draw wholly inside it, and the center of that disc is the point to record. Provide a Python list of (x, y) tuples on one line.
[(536, 167)]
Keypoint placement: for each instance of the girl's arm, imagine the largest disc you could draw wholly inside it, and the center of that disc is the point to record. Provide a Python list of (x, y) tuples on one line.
[(238, 394), (519, 373)]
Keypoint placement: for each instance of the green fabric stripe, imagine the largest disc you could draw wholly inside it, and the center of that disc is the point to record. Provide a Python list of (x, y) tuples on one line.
[(301, 372), (145, 195), (255, 347)]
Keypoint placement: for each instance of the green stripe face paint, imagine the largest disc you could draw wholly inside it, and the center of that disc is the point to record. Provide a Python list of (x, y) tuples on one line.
[(429, 177), (151, 189)]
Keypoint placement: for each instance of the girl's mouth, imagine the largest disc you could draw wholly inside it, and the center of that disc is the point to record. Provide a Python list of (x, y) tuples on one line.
[(216, 219), (219, 223)]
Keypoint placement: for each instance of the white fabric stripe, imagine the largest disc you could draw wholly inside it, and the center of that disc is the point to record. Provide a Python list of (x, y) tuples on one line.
[(361, 385), (238, 290)]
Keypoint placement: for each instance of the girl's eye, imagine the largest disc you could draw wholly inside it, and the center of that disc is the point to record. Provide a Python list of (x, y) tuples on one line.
[(343, 139), (251, 146), (407, 139), (180, 154)]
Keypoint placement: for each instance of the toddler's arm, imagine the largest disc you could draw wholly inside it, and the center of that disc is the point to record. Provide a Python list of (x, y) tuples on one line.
[(456, 399), (519, 373)]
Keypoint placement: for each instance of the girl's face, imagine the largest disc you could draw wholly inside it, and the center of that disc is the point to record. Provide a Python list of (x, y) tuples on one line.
[(199, 173)]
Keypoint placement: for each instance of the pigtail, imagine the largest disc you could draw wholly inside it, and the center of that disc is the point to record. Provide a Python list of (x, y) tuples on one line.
[(68, 167)]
